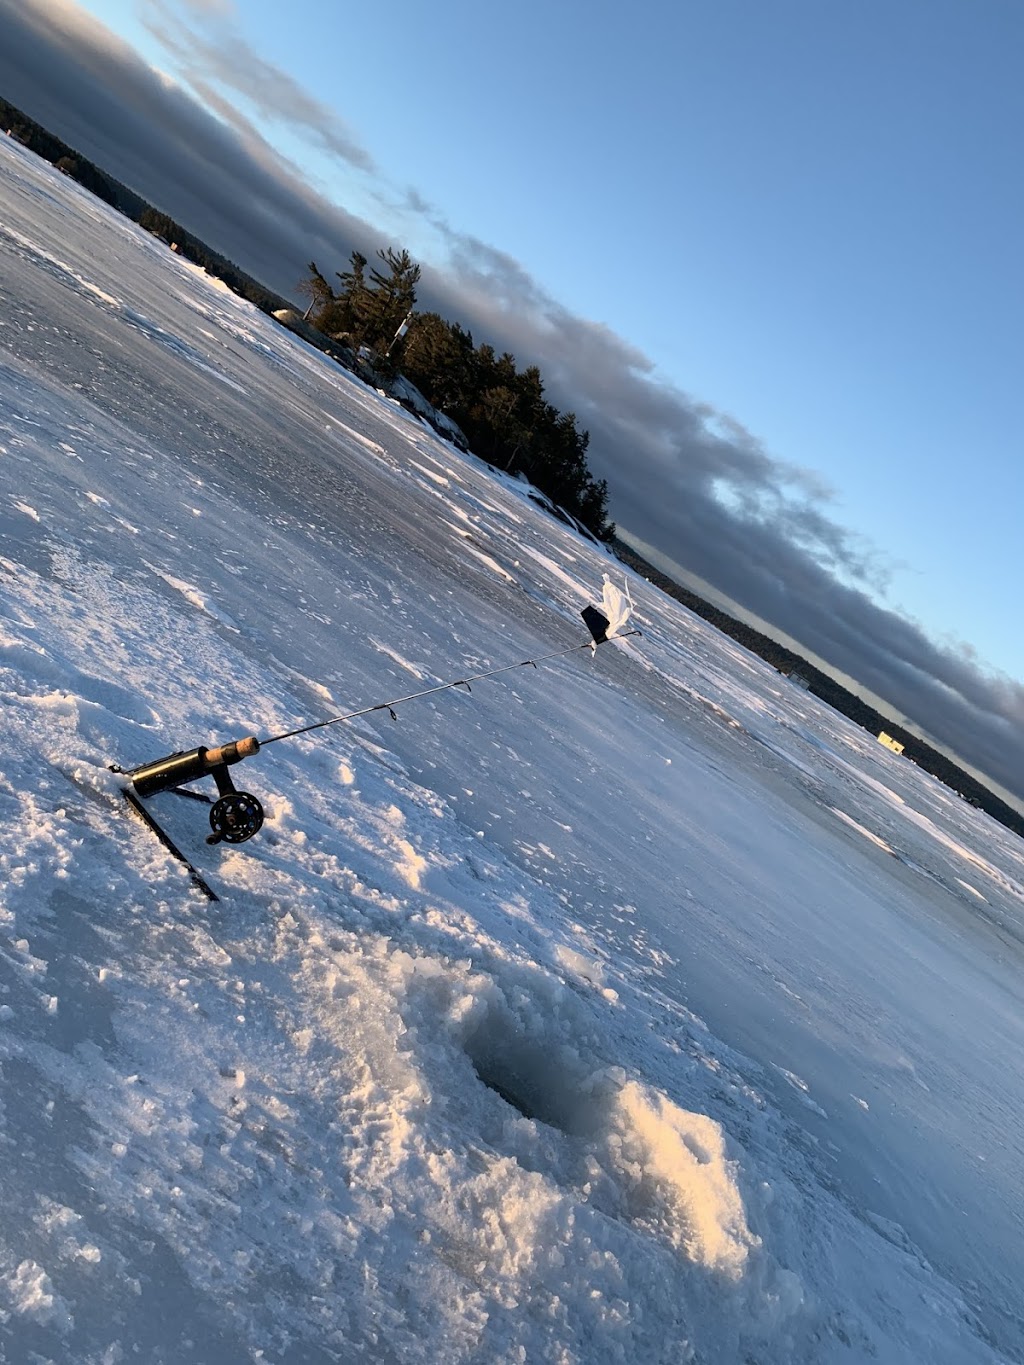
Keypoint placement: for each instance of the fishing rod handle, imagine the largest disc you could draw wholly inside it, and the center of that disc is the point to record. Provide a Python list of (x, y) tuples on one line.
[(233, 752)]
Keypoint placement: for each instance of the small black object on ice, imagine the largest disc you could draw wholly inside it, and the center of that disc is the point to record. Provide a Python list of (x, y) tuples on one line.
[(597, 623)]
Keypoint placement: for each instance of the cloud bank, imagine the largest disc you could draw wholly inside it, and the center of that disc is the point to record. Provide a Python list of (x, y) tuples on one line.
[(684, 479)]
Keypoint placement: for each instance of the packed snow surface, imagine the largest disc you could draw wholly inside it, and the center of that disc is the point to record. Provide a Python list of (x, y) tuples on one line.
[(636, 1007)]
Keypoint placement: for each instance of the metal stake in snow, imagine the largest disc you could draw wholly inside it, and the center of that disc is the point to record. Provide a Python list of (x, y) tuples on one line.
[(236, 816)]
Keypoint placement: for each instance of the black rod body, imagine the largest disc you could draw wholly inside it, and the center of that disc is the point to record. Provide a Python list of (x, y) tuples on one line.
[(172, 771), (175, 770)]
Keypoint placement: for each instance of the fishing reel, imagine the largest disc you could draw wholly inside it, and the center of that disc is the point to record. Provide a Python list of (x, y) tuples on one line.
[(236, 815)]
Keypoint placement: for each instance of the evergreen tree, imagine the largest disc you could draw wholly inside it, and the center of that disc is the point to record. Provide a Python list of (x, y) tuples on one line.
[(351, 300), (438, 357), (353, 282), (320, 294), (390, 298), (502, 410)]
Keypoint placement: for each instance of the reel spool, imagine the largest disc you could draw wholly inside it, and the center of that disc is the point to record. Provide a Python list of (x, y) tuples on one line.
[(236, 817)]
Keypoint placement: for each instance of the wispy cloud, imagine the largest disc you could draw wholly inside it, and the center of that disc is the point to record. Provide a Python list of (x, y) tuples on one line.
[(210, 53), (686, 479)]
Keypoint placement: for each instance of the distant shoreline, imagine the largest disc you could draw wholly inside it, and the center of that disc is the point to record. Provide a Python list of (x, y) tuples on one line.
[(826, 689)]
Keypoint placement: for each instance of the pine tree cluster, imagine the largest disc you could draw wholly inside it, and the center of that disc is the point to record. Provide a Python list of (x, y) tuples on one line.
[(502, 409)]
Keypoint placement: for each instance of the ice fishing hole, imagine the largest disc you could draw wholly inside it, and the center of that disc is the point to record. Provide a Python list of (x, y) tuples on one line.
[(536, 1081), (510, 1096)]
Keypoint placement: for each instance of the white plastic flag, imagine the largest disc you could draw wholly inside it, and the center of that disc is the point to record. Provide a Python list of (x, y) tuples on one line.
[(618, 606)]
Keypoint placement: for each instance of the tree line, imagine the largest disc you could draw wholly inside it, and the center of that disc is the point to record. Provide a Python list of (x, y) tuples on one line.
[(501, 409), (59, 154), (195, 250), (825, 687)]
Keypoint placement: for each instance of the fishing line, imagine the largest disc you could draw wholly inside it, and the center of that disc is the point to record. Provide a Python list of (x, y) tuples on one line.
[(441, 687), (237, 815)]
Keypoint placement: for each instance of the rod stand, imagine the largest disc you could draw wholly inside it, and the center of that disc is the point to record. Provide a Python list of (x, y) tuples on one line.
[(236, 815)]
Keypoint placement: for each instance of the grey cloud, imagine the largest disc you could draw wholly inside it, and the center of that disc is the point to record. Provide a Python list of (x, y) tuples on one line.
[(234, 191), (768, 542), (224, 9)]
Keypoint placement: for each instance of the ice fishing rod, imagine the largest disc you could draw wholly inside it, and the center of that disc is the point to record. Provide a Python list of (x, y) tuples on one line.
[(237, 815)]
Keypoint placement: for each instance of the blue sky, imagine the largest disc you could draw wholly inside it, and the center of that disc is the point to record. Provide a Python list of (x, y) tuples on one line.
[(805, 214)]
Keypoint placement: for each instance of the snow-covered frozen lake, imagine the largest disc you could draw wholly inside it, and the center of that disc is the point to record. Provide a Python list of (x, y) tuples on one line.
[(636, 1007)]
